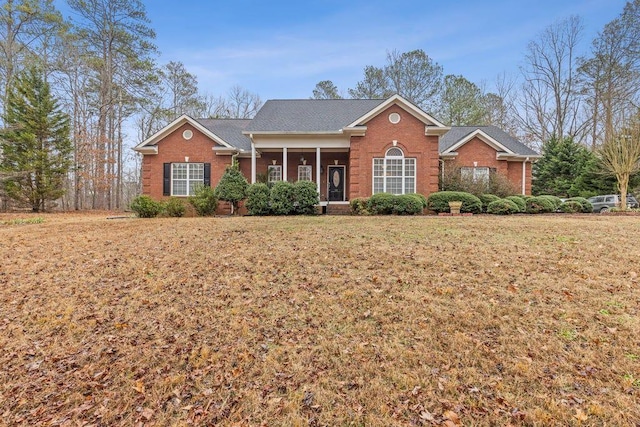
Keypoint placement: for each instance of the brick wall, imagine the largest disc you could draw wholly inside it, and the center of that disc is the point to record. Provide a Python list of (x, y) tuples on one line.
[(380, 134)]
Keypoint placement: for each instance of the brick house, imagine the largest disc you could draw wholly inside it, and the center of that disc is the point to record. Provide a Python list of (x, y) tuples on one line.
[(349, 147)]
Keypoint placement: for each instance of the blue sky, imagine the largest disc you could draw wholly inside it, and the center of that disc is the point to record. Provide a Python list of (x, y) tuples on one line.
[(281, 49)]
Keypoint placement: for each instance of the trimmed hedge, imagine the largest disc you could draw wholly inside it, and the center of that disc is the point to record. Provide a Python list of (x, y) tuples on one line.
[(282, 198), (519, 201), (258, 199), (570, 206), (305, 194), (407, 204), (503, 207), (540, 204), (586, 205), (175, 207), (439, 202), (381, 204), (486, 199), (146, 207), (204, 200), (359, 206), (553, 199)]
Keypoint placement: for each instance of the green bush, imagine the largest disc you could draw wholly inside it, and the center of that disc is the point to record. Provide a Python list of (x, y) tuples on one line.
[(503, 207), (422, 198), (282, 198), (407, 204), (439, 202), (539, 204), (553, 199), (204, 200), (145, 207), (381, 204), (232, 187), (258, 199), (519, 201), (570, 206), (174, 207), (586, 205), (305, 197), (486, 199), (359, 206)]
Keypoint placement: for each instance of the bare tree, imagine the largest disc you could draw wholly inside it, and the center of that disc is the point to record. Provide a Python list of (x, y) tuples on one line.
[(550, 100), (238, 104)]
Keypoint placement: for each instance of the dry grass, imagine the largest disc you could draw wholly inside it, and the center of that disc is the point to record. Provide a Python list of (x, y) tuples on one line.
[(320, 321)]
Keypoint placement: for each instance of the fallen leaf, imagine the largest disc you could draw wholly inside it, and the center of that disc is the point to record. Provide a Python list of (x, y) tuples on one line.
[(580, 415), (452, 416)]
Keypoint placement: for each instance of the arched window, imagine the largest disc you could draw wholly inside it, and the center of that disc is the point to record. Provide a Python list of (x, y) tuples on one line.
[(394, 173)]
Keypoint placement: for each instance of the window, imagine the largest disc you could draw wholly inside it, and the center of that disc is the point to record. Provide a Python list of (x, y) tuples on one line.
[(394, 173), (304, 173), (476, 174), (185, 177), (274, 173)]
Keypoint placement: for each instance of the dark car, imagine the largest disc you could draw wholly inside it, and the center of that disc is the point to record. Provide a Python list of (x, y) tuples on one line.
[(608, 201)]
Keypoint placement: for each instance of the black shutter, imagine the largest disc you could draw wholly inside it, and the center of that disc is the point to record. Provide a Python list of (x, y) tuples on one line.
[(166, 183), (207, 174)]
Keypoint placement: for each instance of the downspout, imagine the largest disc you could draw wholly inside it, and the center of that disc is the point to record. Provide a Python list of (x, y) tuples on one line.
[(441, 175), (524, 175)]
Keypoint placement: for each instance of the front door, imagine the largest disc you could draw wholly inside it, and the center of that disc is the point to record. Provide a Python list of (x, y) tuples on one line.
[(336, 183)]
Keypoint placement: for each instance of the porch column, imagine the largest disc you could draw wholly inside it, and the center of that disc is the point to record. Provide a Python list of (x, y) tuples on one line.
[(284, 163), (318, 169), (253, 163), (524, 176)]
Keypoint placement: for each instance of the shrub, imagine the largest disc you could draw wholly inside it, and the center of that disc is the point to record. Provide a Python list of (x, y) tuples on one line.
[(145, 207), (381, 204), (282, 198), (359, 206), (538, 204), (586, 205), (174, 207), (503, 207), (455, 180), (519, 201), (407, 204), (553, 199), (258, 199), (204, 200), (306, 197), (486, 199), (439, 202), (422, 198), (570, 206), (232, 187)]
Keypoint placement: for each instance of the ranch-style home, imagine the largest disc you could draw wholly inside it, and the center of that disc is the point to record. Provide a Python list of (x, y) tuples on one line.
[(349, 147)]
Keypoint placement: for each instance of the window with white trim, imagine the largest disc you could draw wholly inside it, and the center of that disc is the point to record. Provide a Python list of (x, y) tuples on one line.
[(394, 173), (274, 173), (185, 177), (304, 173), (475, 174)]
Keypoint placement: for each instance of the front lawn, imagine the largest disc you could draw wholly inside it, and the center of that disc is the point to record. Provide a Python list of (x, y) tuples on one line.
[(377, 321)]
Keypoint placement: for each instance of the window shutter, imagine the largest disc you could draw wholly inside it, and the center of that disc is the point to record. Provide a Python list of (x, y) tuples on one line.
[(166, 183), (207, 174)]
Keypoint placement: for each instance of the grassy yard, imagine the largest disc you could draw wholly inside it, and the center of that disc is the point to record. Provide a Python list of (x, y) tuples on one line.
[(523, 320)]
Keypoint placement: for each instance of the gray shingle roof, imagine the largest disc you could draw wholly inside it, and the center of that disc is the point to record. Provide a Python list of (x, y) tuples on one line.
[(230, 131), (310, 115), (458, 133)]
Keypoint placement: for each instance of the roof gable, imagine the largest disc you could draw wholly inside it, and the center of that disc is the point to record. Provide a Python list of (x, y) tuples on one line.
[(225, 132), (491, 135), (404, 104)]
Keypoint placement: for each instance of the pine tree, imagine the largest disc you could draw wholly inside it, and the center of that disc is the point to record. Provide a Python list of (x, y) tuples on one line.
[(35, 145)]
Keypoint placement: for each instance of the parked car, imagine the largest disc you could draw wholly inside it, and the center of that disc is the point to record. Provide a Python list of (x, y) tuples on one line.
[(608, 201)]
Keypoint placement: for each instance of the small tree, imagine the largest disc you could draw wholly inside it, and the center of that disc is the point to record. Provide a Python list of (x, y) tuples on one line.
[(232, 187), (620, 156), (35, 147)]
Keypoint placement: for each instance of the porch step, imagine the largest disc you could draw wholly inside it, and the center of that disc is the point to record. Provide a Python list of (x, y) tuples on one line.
[(338, 209)]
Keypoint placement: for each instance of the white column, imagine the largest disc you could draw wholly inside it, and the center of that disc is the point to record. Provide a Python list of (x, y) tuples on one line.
[(284, 163), (524, 176), (253, 163), (318, 169)]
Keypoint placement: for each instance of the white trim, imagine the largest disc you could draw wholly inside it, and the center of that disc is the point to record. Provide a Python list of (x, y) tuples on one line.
[(384, 166), (303, 143), (183, 119), (344, 183), (491, 142), (285, 163), (253, 163), (405, 105), (305, 167), (318, 167), (151, 149), (187, 179)]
